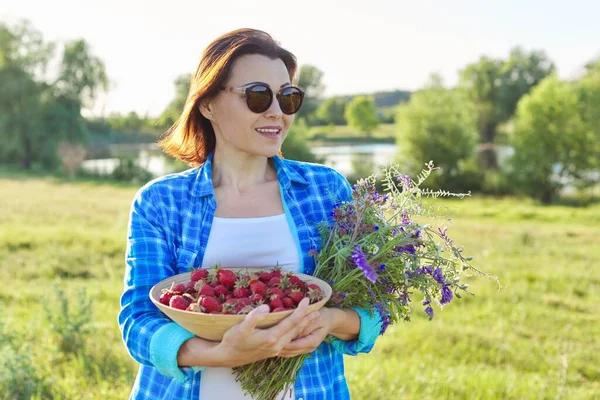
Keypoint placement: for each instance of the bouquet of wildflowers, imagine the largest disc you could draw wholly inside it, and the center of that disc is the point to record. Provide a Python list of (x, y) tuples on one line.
[(377, 255)]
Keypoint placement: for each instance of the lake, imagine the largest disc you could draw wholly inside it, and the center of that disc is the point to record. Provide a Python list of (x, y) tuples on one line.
[(346, 158)]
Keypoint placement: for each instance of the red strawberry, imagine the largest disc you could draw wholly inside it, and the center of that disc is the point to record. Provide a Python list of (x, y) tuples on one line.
[(198, 274), (295, 281), (276, 272), (274, 282), (245, 301), (265, 277), (179, 302), (275, 292), (288, 303), (258, 287), (276, 303), (165, 297), (296, 296), (314, 293), (279, 309), (241, 292), (206, 290), (209, 304), (178, 289), (314, 286), (226, 278), (221, 290), (257, 298)]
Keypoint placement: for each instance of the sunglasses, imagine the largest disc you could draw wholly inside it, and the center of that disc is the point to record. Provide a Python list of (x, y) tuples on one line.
[(259, 97)]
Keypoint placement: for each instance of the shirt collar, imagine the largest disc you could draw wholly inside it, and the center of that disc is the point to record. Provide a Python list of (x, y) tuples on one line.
[(203, 186)]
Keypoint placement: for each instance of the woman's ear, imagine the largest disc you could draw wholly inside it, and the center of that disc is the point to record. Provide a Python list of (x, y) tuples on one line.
[(205, 110)]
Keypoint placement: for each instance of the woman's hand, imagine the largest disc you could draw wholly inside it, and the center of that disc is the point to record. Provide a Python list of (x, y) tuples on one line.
[(341, 323), (311, 336), (245, 343)]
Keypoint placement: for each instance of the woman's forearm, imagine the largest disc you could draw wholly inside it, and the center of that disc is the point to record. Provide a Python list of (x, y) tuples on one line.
[(345, 324), (198, 352)]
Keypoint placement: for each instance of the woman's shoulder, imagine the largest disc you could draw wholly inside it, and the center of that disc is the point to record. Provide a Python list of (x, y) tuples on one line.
[(171, 185), (314, 172)]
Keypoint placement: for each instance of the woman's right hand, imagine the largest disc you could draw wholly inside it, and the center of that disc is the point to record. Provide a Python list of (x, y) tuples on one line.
[(244, 343)]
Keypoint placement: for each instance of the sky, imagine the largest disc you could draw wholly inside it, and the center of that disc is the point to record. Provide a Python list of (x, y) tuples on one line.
[(361, 46)]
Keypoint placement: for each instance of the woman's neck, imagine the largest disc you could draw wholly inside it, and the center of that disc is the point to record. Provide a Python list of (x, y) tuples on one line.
[(241, 171)]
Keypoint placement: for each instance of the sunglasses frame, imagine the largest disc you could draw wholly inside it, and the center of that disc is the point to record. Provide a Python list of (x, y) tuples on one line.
[(245, 90)]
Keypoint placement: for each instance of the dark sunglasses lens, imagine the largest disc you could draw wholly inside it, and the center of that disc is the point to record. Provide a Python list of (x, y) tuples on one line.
[(290, 100), (259, 98)]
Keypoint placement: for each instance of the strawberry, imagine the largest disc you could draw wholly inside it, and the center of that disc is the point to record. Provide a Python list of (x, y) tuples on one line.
[(241, 292), (206, 290), (295, 281), (226, 278), (209, 303), (257, 298), (314, 293), (279, 309), (296, 296), (274, 282), (178, 289), (165, 297), (179, 302), (198, 274), (276, 272), (265, 277), (245, 301), (276, 303), (288, 303), (258, 287), (274, 292), (221, 290)]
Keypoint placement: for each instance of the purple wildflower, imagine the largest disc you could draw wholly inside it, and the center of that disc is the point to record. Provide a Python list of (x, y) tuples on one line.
[(385, 318), (410, 249), (428, 309), (382, 267), (446, 295), (361, 262), (313, 252), (426, 270), (438, 276), (406, 181)]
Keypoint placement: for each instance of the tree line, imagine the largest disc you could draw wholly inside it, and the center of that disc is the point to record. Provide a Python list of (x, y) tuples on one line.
[(550, 127)]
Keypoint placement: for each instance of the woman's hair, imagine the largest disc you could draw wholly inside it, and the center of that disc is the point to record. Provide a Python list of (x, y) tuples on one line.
[(192, 138)]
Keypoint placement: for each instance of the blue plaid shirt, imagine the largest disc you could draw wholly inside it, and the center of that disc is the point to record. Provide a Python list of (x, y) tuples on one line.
[(169, 226)]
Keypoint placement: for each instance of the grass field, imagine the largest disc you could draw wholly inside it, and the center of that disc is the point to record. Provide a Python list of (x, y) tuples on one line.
[(536, 338), (384, 132)]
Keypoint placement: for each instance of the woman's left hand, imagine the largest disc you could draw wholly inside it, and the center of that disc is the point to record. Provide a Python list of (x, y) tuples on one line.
[(311, 337)]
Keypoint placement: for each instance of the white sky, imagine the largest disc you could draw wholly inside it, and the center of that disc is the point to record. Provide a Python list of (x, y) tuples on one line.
[(361, 46)]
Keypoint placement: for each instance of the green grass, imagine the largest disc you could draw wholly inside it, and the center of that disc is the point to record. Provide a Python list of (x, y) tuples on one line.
[(536, 338)]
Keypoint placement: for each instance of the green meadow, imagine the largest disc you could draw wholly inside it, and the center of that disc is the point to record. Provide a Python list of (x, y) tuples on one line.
[(535, 337)]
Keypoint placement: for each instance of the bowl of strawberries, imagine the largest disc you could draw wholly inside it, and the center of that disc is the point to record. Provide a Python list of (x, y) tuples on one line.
[(209, 301)]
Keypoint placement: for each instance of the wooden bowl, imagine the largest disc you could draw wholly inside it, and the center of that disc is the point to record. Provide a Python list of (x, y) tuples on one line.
[(213, 326)]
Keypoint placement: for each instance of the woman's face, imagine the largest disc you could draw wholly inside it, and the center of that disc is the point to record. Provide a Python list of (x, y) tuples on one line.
[(237, 129)]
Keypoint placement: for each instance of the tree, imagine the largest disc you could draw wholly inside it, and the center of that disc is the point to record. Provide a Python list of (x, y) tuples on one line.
[(175, 107), (295, 146), (35, 115), (361, 114), (439, 125), (331, 111), (495, 86), (310, 79), (82, 76), (552, 142)]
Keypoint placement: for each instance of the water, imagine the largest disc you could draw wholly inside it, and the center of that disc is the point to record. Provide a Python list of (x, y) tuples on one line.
[(347, 158)]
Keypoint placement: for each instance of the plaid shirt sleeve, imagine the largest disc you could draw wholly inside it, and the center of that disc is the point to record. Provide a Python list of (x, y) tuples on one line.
[(150, 337)]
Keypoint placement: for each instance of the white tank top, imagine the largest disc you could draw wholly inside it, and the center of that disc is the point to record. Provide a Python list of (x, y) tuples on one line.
[(245, 242)]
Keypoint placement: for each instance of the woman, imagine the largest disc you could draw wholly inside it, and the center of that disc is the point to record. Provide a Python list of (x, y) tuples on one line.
[(242, 205)]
